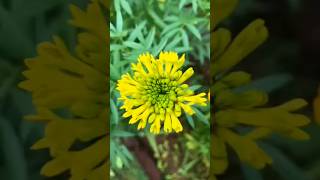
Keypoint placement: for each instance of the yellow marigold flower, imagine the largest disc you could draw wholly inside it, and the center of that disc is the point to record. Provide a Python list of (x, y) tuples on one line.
[(233, 109), (74, 83), (157, 93)]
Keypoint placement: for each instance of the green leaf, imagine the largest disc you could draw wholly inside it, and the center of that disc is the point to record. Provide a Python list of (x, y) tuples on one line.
[(185, 38), (153, 143), (195, 6), (114, 112), (114, 73), (116, 47), (283, 165), (156, 17), (172, 32), (115, 57), (127, 153), (133, 45), (194, 30), (150, 38), (117, 5), (201, 116), (12, 152), (112, 28), (173, 43), (34, 7), (268, 84), (119, 22), (251, 173), (121, 133), (170, 27), (125, 5), (182, 4), (136, 31), (188, 166), (160, 46), (171, 18), (195, 87), (182, 49), (14, 42), (190, 121)]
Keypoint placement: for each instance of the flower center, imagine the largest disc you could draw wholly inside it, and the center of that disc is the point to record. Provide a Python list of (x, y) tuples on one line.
[(161, 92)]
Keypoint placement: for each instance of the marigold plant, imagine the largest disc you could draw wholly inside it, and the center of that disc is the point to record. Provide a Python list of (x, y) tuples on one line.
[(240, 117), (158, 92), (69, 91)]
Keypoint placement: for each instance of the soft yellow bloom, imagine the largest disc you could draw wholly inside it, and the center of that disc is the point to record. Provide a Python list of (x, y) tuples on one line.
[(74, 83), (233, 109), (157, 92)]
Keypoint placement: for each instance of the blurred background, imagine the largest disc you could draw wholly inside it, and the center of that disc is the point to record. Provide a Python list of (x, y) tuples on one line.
[(287, 66), (24, 24)]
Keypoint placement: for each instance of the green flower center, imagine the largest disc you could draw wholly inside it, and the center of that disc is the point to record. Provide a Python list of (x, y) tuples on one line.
[(161, 92)]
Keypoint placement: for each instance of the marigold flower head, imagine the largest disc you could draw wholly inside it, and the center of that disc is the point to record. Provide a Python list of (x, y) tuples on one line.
[(241, 116), (73, 83), (157, 93)]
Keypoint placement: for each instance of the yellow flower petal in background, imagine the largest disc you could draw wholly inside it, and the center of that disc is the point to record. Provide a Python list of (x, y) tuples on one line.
[(74, 83), (244, 108)]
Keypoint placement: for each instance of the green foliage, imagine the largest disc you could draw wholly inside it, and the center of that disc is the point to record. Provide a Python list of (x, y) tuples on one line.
[(153, 26)]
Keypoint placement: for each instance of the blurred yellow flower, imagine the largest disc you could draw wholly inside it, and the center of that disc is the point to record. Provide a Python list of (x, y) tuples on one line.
[(157, 92), (232, 109), (70, 93)]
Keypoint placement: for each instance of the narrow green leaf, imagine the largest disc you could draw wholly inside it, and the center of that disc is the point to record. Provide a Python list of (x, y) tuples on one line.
[(195, 6), (156, 18), (13, 151), (133, 45), (201, 116), (160, 46), (195, 87), (283, 165), (119, 22), (134, 34), (125, 5), (150, 38), (121, 133), (251, 173), (173, 43), (116, 47), (194, 30), (190, 121), (114, 112), (115, 58), (181, 4), (171, 18), (182, 49), (172, 33), (117, 5), (268, 84), (112, 28), (170, 27), (185, 38)]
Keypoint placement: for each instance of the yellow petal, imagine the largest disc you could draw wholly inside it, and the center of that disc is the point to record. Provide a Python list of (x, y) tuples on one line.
[(186, 75), (176, 125)]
